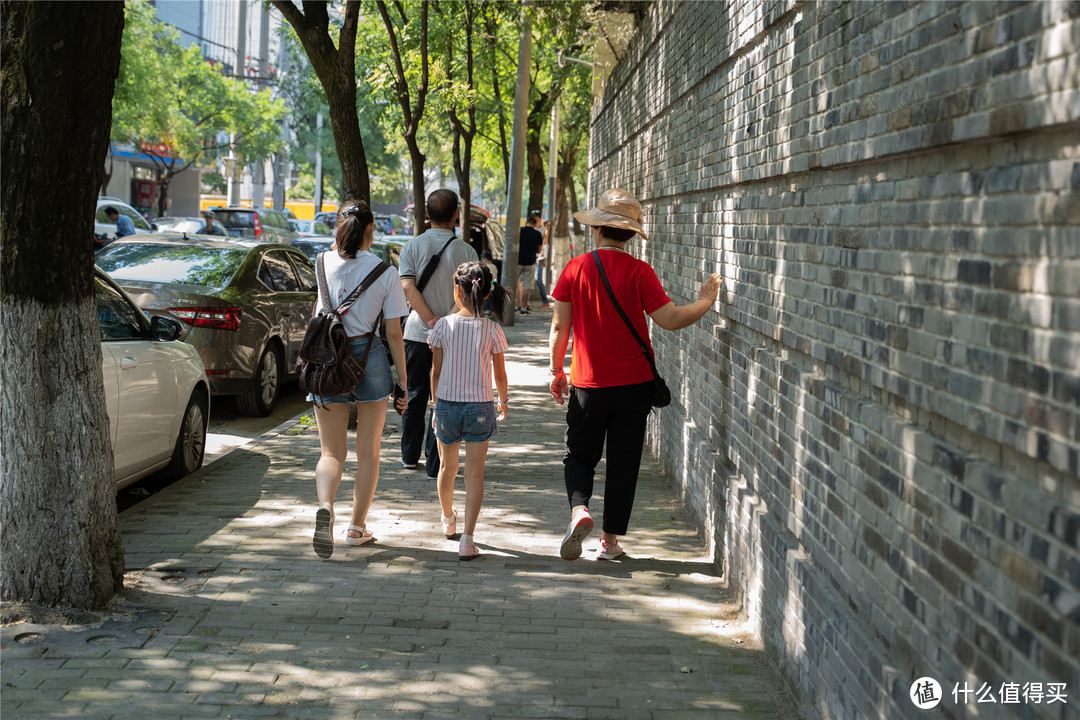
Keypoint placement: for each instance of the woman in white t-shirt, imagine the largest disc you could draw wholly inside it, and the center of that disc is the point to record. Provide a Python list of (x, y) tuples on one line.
[(347, 264), (467, 350)]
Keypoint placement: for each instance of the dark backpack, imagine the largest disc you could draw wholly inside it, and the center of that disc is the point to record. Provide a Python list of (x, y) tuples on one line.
[(326, 363)]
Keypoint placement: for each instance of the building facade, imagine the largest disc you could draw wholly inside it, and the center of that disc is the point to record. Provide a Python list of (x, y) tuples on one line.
[(878, 429), (213, 25)]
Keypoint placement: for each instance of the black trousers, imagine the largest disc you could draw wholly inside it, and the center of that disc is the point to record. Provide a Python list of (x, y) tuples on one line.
[(416, 432), (617, 415)]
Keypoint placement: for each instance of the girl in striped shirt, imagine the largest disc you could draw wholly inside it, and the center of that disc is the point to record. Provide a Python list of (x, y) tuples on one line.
[(467, 349)]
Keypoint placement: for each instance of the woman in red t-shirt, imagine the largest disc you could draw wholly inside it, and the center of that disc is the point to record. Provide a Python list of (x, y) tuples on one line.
[(610, 378)]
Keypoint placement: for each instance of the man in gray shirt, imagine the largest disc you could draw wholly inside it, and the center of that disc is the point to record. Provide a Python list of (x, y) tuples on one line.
[(436, 300)]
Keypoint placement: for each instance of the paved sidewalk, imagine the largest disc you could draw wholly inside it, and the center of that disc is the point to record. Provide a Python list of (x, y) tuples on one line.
[(229, 613)]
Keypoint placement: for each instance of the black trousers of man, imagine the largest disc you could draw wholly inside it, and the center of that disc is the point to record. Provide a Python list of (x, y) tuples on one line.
[(416, 431), (618, 415)]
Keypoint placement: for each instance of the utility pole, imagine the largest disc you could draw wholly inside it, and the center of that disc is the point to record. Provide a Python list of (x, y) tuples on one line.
[(553, 164), (233, 162), (280, 156), (318, 162), (258, 175), (512, 238)]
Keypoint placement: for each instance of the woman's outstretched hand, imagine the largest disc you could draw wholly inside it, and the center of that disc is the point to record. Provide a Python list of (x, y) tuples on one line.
[(710, 288)]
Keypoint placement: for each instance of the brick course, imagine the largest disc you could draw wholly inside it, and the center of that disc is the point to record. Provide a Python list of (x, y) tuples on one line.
[(879, 429)]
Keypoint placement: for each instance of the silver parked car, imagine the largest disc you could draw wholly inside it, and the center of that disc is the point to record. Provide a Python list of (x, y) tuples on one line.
[(307, 228), (247, 305), (189, 225), (385, 248), (262, 224), (156, 392)]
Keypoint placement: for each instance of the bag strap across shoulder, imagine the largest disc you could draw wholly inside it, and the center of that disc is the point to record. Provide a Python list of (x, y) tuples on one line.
[(611, 294), (368, 281), (433, 263)]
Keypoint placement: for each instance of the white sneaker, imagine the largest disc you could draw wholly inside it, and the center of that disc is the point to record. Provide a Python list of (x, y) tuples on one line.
[(576, 531), (610, 551)]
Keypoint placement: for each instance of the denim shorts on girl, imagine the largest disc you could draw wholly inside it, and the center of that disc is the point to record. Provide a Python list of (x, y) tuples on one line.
[(378, 380), (468, 421)]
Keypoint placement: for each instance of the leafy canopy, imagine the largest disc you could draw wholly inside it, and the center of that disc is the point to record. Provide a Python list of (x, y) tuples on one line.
[(170, 94)]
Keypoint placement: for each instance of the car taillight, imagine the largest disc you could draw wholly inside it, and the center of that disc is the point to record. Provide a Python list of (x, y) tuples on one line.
[(217, 318), (258, 226)]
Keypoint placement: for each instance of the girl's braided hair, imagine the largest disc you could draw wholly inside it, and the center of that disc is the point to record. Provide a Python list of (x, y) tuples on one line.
[(477, 284)]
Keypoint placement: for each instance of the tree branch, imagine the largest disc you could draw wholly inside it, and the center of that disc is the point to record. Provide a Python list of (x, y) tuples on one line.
[(401, 88)]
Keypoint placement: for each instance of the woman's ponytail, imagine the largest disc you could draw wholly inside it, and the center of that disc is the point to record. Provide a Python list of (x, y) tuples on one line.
[(353, 220)]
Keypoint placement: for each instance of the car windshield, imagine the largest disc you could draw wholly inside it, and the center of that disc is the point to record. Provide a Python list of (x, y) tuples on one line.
[(208, 266), (235, 218), (311, 248)]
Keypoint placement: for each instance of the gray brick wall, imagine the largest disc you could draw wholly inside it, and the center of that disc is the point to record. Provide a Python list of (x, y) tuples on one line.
[(878, 429)]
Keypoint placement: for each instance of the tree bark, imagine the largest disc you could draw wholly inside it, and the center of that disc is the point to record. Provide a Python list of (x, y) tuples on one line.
[(59, 533), (561, 241), (463, 133), (412, 115), (336, 70), (534, 152), (504, 144)]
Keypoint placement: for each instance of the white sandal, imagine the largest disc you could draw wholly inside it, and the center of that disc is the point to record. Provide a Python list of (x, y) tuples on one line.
[(449, 524), (365, 536)]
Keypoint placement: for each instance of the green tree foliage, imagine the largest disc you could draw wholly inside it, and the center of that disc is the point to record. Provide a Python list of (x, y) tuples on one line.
[(171, 104), (412, 70)]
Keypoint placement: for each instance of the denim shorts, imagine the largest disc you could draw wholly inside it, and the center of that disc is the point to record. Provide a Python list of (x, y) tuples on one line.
[(468, 421), (378, 380)]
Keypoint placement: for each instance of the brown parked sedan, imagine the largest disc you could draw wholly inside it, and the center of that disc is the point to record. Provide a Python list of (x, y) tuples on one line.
[(246, 304)]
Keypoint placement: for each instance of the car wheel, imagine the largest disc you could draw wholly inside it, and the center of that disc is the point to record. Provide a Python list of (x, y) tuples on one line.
[(191, 442), (261, 399)]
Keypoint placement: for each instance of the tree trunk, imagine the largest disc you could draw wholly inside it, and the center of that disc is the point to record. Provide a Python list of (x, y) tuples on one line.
[(163, 193), (535, 169), (345, 122), (336, 70), (106, 176), (574, 207), (504, 144), (59, 533), (417, 159), (534, 152), (466, 193), (561, 243)]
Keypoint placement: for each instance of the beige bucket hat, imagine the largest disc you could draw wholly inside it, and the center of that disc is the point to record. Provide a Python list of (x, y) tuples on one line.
[(618, 209)]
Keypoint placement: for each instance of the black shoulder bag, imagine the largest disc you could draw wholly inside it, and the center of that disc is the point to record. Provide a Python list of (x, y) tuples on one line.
[(432, 263), (661, 396), (326, 363)]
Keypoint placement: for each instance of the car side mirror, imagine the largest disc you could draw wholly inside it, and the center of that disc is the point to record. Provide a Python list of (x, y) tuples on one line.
[(165, 329), (153, 226)]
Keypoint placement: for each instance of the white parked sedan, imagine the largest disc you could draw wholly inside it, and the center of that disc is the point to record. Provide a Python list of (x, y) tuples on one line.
[(156, 392)]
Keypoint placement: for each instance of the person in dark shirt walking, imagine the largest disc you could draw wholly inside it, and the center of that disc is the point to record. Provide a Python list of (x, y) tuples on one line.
[(529, 243)]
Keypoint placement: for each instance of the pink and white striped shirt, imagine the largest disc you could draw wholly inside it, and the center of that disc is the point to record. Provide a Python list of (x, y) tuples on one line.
[(467, 344)]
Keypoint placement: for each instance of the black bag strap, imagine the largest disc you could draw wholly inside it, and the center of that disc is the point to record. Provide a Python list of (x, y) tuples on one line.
[(611, 294), (433, 263), (324, 289)]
